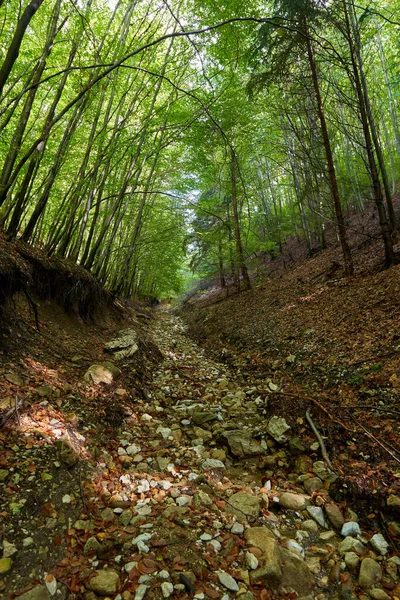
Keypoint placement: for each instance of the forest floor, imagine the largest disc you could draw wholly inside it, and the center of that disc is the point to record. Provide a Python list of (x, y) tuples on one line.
[(189, 469)]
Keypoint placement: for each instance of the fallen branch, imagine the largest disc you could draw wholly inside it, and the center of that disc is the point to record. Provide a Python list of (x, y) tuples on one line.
[(11, 412), (375, 439), (320, 440), (310, 399)]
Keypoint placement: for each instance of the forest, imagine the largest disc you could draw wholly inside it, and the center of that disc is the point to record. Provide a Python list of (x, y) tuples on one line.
[(147, 141), (199, 299)]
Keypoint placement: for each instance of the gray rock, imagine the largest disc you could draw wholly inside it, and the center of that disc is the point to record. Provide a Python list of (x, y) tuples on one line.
[(309, 526), (39, 592), (296, 446), (124, 345), (251, 561), (352, 560), (104, 372), (107, 515), (294, 501), (379, 544), (317, 514), (243, 505), (163, 462), (227, 581), (277, 428), (379, 594), (203, 434), (313, 484), (259, 537), (303, 464), (237, 529), (350, 528), (350, 544), (9, 549), (141, 591), (241, 444), (212, 463), (66, 453), (202, 499), (199, 417), (334, 515), (370, 573), (322, 471), (295, 573), (92, 546), (105, 583), (167, 588)]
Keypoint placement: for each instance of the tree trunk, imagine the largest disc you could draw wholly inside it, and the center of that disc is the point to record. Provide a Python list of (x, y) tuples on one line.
[(238, 239)]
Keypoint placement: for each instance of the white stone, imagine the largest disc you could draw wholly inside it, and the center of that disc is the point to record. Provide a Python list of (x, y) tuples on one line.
[(216, 544), (66, 499), (227, 581), (237, 529), (133, 449), (251, 561), (167, 588), (163, 574), (182, 501), (350, 528), (379, 544), (141, 592)]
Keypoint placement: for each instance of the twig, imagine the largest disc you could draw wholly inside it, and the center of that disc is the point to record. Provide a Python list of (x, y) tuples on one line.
[(369, 407), (342, 319), (10, 412), (375, 439), (320, 440)]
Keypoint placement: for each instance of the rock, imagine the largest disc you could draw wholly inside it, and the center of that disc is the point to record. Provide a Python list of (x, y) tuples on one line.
[(393, 502), (92, 546), (104, 372), (5, 564), (141, 591), (309, 526), (295, 547), (202, 499), (303, 464), (105, 583), (251, 561), (352, 560), (124, 345), (241, 444), (211, 463), (351, 544), (44, 390), (277, 429), (317, 514), (14, 379), (132, 449), (326, 536), (4, 473), (379, 594), (175, 511), (295, 573), (164, 431), (199, 417), (334, 515), (243, 505), (219, 454), (237, 529), (227, 581), (294, 501), (379, 544), (203, 434), (313, 484), (296, 446), (66, 453), (167, 588), (322, 471), (39, 592), (259, 537), (107, 515), (9, 549), (350, 528), (163, 462), (370, 573)]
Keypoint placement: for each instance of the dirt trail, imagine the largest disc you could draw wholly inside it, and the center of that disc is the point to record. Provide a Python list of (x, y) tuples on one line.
[(199, 492)]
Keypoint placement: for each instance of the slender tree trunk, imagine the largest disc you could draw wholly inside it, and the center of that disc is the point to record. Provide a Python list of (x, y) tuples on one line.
[(238, 238), (348, 261), (13, 50)]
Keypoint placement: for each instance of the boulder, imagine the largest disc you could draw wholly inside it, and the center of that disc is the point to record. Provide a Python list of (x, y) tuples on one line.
[(259, 537), (269, 571), (39, 592), (295, 573), (241, 444), (243, 505), (104, 372), (105, 582), (370, 573), (277, 428), (124, 345), (199, 417), (294, 501)]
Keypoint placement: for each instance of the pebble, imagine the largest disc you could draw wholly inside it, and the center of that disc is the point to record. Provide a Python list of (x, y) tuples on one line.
[(216, 544), (251, 561), (237, 529), (227, 581), (27, 542), (167, 589), (164, 574), (350, 528), (379, 544), (205, 537), (9, 549), (182, 501), (212, 463), (317, 514), (141, 592)]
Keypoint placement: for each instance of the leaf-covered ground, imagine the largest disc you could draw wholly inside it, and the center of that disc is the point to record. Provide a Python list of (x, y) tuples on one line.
[(194, 472)]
